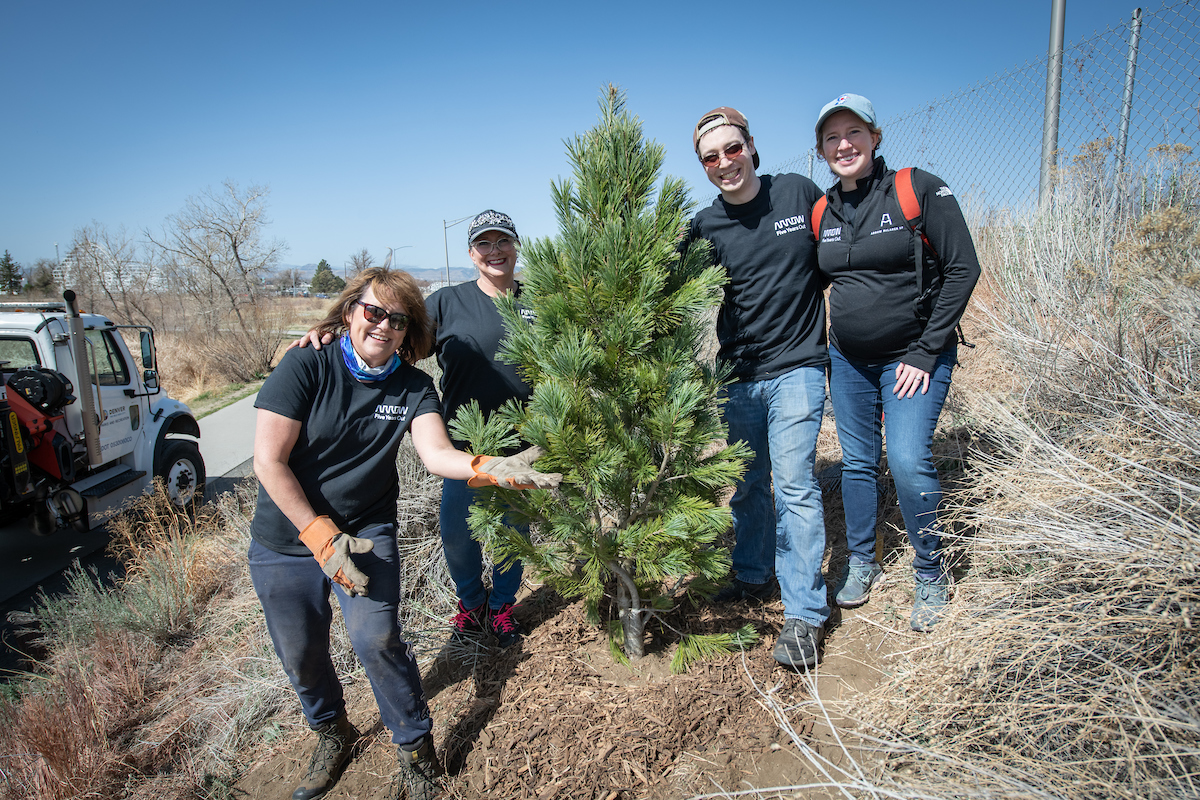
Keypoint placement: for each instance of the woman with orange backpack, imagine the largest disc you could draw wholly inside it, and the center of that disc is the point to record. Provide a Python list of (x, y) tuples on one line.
[(901, 264)]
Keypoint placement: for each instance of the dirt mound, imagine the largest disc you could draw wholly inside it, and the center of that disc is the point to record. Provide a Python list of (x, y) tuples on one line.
[(557, 717)]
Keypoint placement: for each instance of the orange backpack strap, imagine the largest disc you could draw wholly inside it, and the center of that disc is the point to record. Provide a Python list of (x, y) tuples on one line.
[(909, 203), (910, 206), (814, 217)]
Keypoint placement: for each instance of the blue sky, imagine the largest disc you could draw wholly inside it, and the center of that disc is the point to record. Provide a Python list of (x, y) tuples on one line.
[(373, 122)]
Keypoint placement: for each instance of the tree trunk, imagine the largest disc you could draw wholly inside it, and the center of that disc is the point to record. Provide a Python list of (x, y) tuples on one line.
[(629, 609)]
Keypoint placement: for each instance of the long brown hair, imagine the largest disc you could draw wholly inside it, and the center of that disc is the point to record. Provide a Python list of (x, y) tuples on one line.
[(389, 285)]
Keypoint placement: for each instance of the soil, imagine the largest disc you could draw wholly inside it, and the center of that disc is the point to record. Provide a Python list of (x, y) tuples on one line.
[(556, 717)]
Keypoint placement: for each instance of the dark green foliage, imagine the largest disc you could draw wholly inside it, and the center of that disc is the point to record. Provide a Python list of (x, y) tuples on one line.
[(10, 275), (324, 281), (621, 403)]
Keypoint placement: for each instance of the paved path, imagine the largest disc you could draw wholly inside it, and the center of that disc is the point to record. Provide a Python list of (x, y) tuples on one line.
[(227, 437)]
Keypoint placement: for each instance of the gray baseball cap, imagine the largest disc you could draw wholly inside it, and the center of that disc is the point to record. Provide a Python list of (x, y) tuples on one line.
[(851, 102)]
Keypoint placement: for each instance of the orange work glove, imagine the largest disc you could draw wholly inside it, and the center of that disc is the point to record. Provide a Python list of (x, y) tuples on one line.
[(513, 472), (332, 548)]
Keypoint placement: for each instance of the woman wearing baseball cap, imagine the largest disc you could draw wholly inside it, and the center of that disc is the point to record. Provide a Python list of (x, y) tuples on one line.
[(467, 334), (898, 291)]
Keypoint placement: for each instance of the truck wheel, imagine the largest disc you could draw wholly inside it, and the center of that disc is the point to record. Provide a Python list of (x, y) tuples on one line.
[(182, 471)]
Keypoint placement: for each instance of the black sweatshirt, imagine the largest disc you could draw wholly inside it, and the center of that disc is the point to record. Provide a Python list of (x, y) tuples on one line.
[(870, 261), (773, 317)]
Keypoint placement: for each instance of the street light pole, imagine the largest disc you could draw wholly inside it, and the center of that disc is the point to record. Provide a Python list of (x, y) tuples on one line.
[(445, 242)]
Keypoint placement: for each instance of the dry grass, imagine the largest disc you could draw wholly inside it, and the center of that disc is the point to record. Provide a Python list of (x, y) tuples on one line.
[(170, 672)]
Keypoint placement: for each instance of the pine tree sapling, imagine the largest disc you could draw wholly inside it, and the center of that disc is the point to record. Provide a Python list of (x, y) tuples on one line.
[(622, 404)]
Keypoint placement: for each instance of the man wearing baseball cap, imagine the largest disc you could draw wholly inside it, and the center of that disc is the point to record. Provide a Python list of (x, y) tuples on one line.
[(771, 330)]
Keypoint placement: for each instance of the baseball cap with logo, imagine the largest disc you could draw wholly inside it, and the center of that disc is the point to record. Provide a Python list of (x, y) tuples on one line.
[(723, 115), (860, 105), (490, 221)]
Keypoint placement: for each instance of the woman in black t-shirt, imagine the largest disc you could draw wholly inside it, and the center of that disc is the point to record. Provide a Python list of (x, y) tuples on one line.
[(467, 333), (329, 425)]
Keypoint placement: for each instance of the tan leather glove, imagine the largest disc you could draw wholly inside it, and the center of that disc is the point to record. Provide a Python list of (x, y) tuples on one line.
[(513, 472), (332, 548)]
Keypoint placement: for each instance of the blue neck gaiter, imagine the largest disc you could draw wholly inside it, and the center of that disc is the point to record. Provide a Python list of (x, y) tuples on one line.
[(359, 369)]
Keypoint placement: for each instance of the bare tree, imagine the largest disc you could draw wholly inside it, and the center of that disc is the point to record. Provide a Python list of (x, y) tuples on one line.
[(289, 278), (358, 262), (105, 267), (217, 253), (41, 278)]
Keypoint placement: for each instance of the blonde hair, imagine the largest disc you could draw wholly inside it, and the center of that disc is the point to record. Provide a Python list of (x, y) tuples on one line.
[(395, 285)]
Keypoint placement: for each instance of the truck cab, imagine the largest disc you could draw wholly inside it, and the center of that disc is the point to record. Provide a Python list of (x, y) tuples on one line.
[(87, 426)]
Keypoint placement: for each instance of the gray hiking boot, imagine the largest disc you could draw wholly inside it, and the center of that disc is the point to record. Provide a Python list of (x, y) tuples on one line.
[(854, 588), (932, 593), (418, 775), (335, 741), (798, 644)]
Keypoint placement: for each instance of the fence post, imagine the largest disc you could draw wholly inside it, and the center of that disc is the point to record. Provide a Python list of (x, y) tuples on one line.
[(1135, 35), (1058, 13), (810, 164)]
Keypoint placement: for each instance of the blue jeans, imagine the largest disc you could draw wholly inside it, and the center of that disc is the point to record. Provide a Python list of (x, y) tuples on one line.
[(464, 556), (779, 418), (294, 593), (863, 405)]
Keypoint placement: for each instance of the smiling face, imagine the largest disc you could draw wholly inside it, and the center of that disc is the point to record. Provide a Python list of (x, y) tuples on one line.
[(734, 176), (375, 342), (499, 263), (848, 144)]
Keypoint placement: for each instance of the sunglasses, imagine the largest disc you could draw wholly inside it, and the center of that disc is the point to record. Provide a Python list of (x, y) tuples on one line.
[(731, 151), (376, 315)]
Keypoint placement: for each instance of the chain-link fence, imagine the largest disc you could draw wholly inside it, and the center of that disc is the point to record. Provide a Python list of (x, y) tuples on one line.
[(985, 141)]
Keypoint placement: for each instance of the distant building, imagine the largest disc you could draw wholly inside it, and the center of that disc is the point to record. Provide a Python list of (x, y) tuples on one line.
[(93, 261)]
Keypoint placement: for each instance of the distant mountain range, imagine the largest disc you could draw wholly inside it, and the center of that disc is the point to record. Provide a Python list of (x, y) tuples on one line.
[(457, 274)]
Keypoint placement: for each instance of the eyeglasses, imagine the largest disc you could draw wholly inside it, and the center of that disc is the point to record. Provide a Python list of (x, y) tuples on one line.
[(732, 151), (376, 315), (485, 248)]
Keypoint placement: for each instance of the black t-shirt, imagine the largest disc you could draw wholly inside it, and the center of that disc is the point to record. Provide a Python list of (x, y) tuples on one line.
[(345, 455), (467, 333), (773, 317)]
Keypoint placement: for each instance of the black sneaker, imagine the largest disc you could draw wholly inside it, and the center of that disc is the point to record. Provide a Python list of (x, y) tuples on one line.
[(504, 625), (335, 742), (740, 590), (798, 644), (418, 775), (469, 622)]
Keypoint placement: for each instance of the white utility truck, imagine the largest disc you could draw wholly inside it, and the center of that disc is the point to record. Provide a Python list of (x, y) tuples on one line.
[(85, 429)]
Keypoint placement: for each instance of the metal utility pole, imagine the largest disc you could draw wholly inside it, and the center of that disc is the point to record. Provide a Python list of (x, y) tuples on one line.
[(1135, 36), (1058, 15), (445, 243)]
